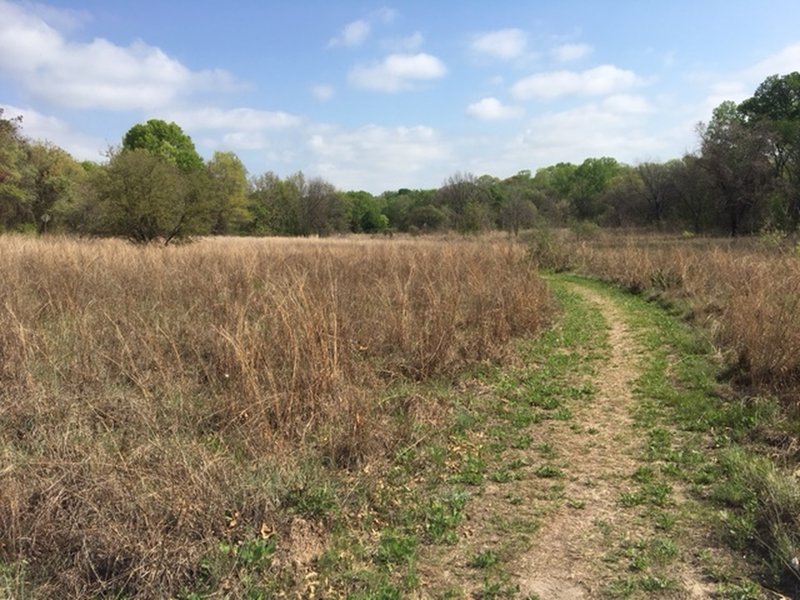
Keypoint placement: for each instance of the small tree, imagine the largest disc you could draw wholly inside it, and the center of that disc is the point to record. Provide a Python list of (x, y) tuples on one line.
[(227, 190), (145, 198), (51, 179)]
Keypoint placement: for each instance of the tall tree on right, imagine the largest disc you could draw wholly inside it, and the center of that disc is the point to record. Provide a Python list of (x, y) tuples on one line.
[(775, 108), (736, 157)]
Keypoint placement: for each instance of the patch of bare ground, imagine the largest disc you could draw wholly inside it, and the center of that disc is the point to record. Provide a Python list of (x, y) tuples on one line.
[(563, 562), (566, 560), (575, 522)]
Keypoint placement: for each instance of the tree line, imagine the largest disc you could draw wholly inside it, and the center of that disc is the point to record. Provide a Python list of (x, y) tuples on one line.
[(744, 178)]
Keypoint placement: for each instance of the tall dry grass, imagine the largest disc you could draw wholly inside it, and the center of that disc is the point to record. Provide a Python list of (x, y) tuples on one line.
[(149, 394), (746, 291)]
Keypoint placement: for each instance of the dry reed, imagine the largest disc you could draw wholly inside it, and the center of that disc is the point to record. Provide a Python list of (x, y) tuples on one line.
[(148, 394)]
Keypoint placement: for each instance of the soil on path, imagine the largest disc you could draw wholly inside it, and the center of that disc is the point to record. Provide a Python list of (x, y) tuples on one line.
[(565, 561), (577, 522), (567, 548)]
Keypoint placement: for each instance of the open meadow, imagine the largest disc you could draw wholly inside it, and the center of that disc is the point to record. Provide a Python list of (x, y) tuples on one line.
[(158, 402), (399, 417)]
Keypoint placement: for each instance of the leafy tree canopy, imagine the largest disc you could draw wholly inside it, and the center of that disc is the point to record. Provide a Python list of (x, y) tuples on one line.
[(166, 140)]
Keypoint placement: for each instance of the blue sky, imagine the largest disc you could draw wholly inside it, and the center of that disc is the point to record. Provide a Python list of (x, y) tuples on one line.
[(377, 96)]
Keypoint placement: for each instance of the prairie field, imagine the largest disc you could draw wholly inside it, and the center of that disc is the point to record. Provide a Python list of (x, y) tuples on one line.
[(160, 403), (387, 418)]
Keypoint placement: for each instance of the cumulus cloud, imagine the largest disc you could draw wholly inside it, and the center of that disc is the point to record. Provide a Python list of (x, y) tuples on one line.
[(491, 109), (39, 126), (503, 44), (570, 52), (616, 126), (397, 72), (97, 74), (598, 81), (379, 158)]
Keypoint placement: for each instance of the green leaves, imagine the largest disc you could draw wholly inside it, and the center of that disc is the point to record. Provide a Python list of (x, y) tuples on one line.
[(166, 140)]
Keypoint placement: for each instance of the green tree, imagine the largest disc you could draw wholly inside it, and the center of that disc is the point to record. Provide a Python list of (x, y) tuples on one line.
[(658, 191), (736, 157), (775, 110), (14, 197), (53, 176), (275, 204), (625, 199), (145, 198), (550, 191), (166, 140), (466, 201), (590, 180), (363, 212), (228, 190)]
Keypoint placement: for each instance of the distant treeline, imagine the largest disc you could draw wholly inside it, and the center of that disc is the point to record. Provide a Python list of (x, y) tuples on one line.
[(744, 178)]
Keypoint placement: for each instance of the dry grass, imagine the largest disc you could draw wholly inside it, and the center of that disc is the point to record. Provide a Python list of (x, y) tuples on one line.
[(156, 401), (747, 291)]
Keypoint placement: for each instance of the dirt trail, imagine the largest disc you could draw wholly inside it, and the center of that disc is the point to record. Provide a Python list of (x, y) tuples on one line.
[(562, 563), (567, 536), (566, 559)]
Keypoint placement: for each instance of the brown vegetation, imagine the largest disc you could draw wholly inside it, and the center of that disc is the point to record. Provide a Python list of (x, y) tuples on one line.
[(155, 401), (747, 291)]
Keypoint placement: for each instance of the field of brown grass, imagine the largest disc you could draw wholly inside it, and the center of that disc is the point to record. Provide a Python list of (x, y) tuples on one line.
[(746, 291), (156, 402)]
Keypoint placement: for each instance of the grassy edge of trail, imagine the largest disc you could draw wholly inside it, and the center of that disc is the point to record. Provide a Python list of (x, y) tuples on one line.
[(433, 488), (394, 538), (703, 438), (412, 534)]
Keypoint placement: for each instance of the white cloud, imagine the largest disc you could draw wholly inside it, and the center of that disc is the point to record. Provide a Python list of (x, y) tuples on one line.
[(322, 92), (64, 19), (570, 52), (491, 109), (397, 72), (404, 44), (616, 126), (782, 62), (598, 81), (38, 126), (239, 129), (379, 158), (353, 34), (98, 74), (742, 84), (356, 33), (627, 104), (235, 118), (504, 44)]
